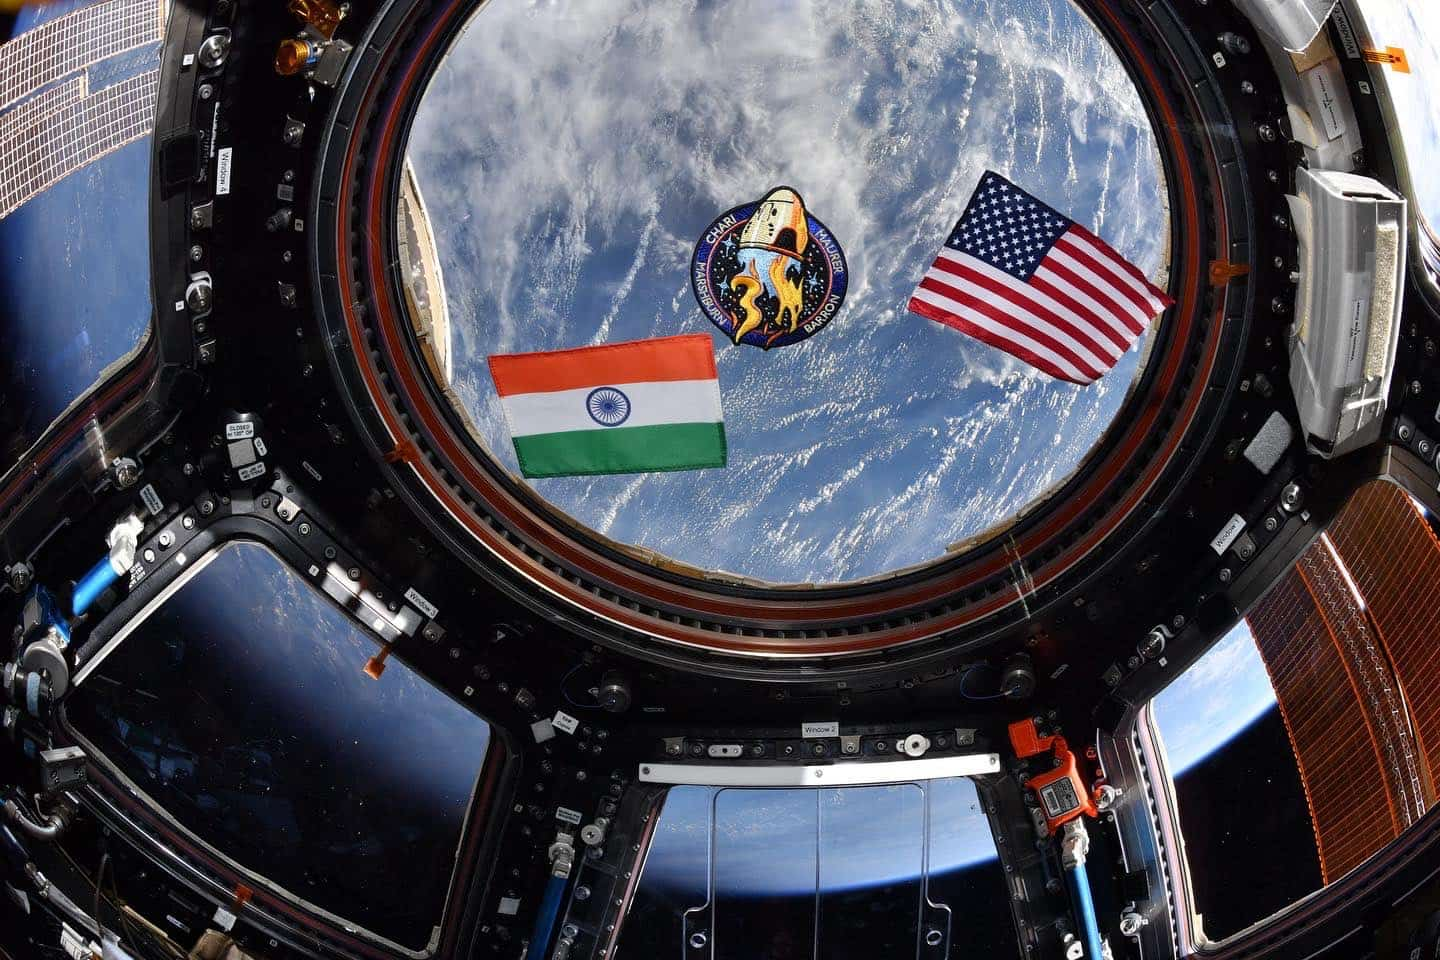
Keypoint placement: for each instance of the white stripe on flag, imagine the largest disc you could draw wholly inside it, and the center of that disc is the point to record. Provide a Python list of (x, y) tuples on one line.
[(1105, 283), (651, 404), (1041, 304), (1126, 277), (1097, 312), (1099, 362), (1000, 331)]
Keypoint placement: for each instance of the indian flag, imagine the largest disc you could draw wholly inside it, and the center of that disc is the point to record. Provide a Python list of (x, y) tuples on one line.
[(638, 407)]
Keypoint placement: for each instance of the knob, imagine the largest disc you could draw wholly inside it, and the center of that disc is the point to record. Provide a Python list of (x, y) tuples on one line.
[(614, 693)]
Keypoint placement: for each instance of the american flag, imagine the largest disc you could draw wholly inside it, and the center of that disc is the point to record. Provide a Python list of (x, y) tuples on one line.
[(1030, 281)]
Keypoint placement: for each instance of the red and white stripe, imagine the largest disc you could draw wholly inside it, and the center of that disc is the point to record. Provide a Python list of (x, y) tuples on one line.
[(1083, 307)]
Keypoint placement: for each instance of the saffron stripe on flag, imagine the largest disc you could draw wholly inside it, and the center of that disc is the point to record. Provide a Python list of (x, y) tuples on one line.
[(663, 448), (690, 356)]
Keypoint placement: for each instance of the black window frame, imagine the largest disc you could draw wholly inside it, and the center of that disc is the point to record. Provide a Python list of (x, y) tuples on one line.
[(123, 806)]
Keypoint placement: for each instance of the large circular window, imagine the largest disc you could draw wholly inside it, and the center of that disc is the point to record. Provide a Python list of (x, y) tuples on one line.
[(568, 158)]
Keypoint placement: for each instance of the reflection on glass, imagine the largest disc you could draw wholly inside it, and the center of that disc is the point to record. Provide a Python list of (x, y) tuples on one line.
[(965, 873), (239, 707), (884, 439), (1320, 710), (845, 871), (1221, 727), (75, 296), (872, 870), (1414, 28), (767, 861)]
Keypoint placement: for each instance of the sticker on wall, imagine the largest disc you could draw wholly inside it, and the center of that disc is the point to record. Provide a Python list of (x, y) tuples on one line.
[(768, 273)]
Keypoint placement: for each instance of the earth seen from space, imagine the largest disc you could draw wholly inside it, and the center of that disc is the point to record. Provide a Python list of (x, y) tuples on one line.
[(572, 153)]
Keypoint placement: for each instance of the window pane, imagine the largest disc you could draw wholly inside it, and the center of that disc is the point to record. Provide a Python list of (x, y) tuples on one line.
[(965, 873), (74, 208), (766, 865), (1305, 741), (1251, 848), (884, 439), (853, 865), (240, 708), (1414, 28), (872, 863)]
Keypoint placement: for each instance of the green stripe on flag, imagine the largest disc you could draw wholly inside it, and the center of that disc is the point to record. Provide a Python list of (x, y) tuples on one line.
[(670, 446)]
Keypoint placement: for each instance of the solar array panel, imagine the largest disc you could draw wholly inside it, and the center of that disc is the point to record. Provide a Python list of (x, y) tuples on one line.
[(55, 144), (1340, 761), (73, 42), (1393, 556), (1351, 654)]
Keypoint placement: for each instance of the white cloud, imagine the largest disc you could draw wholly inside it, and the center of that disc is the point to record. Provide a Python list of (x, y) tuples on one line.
[(572, 152)]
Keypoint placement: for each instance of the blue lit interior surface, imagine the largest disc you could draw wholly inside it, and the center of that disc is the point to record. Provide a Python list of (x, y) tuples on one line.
[(241, 709)]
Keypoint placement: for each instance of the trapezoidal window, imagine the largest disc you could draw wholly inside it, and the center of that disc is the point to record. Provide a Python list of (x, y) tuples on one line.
[(239, 711), (1309, 737), (886, 871)]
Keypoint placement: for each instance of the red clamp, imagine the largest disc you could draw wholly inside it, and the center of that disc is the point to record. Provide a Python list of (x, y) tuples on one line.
[(1063, 793)]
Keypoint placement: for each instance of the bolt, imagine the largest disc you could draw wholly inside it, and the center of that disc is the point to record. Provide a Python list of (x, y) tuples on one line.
[(1414, 388), (304, 529), (20, 575), (1130, 924), (1272, 176), (1291, 497), (288, 176), (127, 471), (214, 50), (1234, 43), (206, 91), (293, 133), (1245, 552), (1281, 221), (207, 507), (148, 555), (582, 892), (1178, 623), (1267, 132), (698, 940), (1225, 574), (198, 300), (1271, 524), (1423, 448), (353, 573), (197, 219), (1246, 87), (166, 539), (287, 256), (188, 522), (196, 252)]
